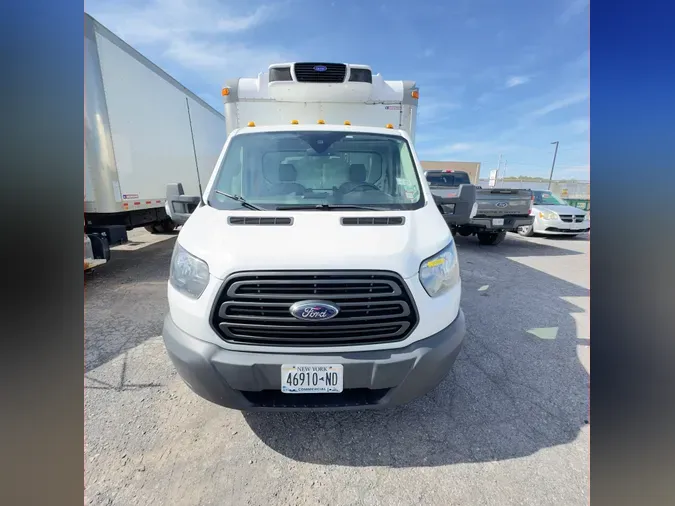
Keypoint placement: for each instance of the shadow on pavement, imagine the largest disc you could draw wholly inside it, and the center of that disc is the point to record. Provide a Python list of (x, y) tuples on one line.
[(125, 301), (509, 395), (553, 238), (514, 245)]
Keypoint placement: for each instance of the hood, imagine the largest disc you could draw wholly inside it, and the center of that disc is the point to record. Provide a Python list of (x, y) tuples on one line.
[(315, 240), (559, 209)]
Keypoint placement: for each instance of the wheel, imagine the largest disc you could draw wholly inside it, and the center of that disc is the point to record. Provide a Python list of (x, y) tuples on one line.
[(166, 227), (491, 238), (453, 231), (464, 232), (162, 227), (527, 231)]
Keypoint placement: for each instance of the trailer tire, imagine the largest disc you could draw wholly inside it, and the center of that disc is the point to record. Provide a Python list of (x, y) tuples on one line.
[(491, 238), (465, 232), (155, 228), (167, 226)]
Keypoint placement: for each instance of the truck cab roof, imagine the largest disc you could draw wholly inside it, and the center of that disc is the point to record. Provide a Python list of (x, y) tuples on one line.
[(322, 128)]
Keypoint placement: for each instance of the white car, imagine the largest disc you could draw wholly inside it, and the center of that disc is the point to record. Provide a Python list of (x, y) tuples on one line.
[(554, 216)]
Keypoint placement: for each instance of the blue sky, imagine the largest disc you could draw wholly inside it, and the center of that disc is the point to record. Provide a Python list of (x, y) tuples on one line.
[(495, 76)]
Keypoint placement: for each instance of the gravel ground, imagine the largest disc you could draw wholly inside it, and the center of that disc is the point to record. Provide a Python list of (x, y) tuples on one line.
[(508, 426)]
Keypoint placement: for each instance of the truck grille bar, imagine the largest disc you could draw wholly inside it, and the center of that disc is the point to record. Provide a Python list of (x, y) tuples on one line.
[(320, 72), (572, 218), (253, 308)]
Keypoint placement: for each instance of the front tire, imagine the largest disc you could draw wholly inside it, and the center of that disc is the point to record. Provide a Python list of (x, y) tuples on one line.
[(491, 238), (527, 231)]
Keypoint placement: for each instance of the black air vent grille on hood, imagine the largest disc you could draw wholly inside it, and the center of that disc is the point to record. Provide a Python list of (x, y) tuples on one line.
[(373, 221), (259, 220)]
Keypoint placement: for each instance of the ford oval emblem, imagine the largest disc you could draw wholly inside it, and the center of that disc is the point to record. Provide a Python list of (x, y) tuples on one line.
[(502, 204), (314, 310), (320, 68)]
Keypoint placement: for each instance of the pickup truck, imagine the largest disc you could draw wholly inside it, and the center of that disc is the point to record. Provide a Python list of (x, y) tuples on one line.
[(454, 195), (498, 210)]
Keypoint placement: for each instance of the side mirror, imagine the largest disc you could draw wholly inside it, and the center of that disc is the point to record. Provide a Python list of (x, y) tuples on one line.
[(179, 206)]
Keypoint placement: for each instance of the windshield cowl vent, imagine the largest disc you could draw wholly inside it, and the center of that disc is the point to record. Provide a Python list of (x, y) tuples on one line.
[(373, 221), (259, 220)]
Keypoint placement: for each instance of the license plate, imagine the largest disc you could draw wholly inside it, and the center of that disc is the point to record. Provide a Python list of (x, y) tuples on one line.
[(498, 221), (311, 378)]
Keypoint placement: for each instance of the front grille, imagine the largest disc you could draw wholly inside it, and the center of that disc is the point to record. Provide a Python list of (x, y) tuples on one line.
[(253, 308), (347, 398), (308, 73), (572, 218), (567, 230)]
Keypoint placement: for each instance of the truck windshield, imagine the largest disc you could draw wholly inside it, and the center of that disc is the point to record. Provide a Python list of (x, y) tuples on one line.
[(543, 198), (306, 168), (447, 178)]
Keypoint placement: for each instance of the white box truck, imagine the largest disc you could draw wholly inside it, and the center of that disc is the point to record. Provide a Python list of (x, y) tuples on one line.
[(143, 130), (316, 272)]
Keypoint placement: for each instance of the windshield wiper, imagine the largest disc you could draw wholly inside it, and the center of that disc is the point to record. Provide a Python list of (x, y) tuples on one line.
[(325, 207), (239, 199)]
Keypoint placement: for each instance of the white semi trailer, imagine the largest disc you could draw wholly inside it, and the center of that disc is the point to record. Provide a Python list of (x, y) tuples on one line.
[(143, 130)]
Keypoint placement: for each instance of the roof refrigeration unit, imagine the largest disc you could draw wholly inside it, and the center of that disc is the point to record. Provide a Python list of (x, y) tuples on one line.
[(307, 93)]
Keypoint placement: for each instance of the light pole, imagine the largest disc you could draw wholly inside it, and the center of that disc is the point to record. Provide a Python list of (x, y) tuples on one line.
[(555, 153)]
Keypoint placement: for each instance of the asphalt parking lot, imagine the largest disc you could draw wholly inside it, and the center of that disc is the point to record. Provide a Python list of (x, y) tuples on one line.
[(508, 426)]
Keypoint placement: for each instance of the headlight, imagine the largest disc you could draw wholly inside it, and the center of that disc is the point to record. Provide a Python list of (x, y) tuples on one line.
[(548, 215), (440, 272), (189, 275)]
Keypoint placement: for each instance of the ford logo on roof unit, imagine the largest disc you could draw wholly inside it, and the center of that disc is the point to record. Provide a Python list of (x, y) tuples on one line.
[(320, 68), (314, 310)]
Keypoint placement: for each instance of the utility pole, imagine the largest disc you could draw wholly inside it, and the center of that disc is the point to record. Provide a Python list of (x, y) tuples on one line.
[(506, 162), (499, 168), (555, 153)]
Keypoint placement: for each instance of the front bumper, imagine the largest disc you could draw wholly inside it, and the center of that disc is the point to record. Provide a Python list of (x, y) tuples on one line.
[(251, 381), (559, 227), (510, 222)]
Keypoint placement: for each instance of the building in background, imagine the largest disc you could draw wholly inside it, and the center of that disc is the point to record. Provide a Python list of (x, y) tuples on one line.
[(471, 168)]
